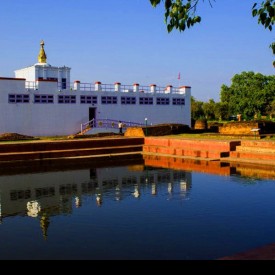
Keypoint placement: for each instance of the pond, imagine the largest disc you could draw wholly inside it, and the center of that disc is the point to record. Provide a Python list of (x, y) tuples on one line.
[(137, 211)]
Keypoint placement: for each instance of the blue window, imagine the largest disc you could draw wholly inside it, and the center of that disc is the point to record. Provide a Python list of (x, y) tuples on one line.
[(88, 99), (67, 99), (126, 100), (108, 100), (19, 98), (163, 101), (146, 101), (178, 101), (44, 99)]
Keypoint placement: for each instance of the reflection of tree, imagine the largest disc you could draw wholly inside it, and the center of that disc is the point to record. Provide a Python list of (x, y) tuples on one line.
[(44, 224)]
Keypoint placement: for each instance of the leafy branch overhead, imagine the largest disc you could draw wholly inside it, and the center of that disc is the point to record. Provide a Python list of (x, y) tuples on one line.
[(266, 15), (182, 14), (179, 14)]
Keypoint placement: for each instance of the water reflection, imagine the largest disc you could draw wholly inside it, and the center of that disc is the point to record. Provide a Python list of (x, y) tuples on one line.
[(44, 195), (196, 209), (246, 170)]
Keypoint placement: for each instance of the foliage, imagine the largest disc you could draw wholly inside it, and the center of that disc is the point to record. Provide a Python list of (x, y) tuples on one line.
[(209, 109), (221, 111), (179, 14), (265, 12), (182, 14), (266, 16), (270, 109), (196, 109), (249, 94)]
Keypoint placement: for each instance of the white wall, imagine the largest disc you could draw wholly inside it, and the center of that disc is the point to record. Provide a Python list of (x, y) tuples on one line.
[(66, 119)]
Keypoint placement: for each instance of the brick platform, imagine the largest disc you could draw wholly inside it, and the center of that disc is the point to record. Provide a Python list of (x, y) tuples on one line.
[(207, 149), (252, 151), (253, 155), (42, 150)]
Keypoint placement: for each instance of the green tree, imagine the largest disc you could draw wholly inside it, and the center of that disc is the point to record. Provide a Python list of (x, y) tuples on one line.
[(270, 109), (196, 109), (209, 109), (249, 94), (221, 111), (182, 14)]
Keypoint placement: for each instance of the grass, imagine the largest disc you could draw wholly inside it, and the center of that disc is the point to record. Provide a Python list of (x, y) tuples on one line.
[(217, 136), (214, 136)]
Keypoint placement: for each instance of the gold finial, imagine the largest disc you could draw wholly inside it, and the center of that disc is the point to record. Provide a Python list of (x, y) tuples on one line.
[(44, 224), (42, 57)]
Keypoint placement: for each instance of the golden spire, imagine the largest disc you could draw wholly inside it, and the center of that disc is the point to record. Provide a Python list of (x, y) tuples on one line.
[(44, 224), (42, 57)]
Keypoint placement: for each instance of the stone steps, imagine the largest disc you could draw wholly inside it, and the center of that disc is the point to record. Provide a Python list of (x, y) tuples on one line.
[(39, 155), (252, 155), (255, 149), (205, 144), (257, 152), (196, 153), (191, 148), (67, 144), (259, 144), (70, 149), (210, 150)]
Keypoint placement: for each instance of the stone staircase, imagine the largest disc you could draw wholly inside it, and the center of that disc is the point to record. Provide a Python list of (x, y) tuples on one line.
[(252, 151), (189, 148), (68, 149), (233, 152)]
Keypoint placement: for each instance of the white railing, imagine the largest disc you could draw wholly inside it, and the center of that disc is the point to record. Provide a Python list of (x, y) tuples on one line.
[(30, 85), (91, 87)]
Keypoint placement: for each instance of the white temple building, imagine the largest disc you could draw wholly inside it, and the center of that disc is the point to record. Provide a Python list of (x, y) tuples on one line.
[(42, 101)]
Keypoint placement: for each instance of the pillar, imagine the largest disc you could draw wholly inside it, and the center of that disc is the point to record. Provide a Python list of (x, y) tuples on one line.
[(153, 88), (98, 87), (117, 86), (136, 87), (169, 89), (77, 85)]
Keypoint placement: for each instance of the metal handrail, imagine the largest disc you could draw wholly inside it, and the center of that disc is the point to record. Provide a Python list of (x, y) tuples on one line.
[(108, 123)]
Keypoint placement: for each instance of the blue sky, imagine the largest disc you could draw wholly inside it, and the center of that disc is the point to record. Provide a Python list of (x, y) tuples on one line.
[(127, 41)]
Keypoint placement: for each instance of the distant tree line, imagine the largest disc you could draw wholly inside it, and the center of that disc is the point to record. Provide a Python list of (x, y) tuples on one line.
[(250, 94)]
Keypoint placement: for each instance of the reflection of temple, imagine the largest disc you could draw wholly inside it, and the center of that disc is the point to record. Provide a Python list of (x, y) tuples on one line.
[(43, 195)]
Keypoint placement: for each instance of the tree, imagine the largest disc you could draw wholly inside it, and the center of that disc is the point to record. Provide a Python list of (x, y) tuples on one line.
[(196, 109), (221, 111), (182, 14), (270, 109), (266, 16), (209, 109), (249, 94)]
